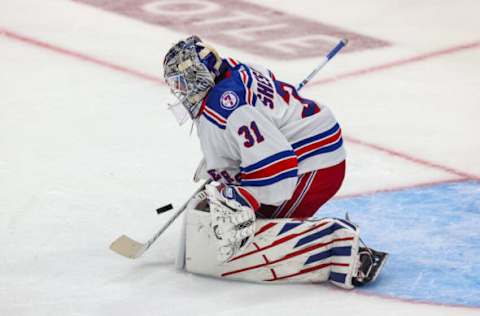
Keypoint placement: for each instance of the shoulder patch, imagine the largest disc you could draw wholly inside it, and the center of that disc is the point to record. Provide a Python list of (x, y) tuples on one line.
[(229, 100), (225, 98)]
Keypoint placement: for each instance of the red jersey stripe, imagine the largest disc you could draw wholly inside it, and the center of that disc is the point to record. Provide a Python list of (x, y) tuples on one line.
[(272, 170), (232, 61), (249, 197), (215, 115), (264, 229), (319, 144)]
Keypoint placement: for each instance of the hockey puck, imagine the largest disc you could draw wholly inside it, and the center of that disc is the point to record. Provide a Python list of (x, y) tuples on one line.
[(165, 208)]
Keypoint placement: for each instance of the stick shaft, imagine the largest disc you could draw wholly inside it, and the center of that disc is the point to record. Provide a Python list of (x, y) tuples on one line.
[(174, 217), (324, 61)]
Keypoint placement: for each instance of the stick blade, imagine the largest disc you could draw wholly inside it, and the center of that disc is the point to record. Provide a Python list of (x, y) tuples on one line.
[(128, 247)]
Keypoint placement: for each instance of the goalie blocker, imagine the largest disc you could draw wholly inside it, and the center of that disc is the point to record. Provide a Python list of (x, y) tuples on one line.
[(282, 250)]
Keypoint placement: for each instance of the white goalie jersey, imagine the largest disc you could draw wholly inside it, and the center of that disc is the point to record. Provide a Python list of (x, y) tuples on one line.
[(258, 135)]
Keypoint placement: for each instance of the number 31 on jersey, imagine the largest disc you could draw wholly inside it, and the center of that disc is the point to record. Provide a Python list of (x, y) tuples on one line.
[(251, 134)]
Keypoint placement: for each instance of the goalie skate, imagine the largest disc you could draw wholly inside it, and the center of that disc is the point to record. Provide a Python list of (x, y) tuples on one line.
[(371, 263)]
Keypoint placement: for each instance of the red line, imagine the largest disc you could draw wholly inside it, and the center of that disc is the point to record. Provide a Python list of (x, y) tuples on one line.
[(401, 62), (411, 158), (361, 72), (158, 80), (361, 292), (411, 300), (398, 188), (80, 56)]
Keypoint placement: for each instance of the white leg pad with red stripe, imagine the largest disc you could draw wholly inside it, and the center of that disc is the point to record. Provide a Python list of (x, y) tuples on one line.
[(283, 250)]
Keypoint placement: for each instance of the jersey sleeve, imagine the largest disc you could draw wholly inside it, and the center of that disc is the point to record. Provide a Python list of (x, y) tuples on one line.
[(268, 165)]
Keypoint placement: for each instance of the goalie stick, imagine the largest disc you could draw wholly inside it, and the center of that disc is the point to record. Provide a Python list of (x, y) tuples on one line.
[(133, 249), (325, 60)]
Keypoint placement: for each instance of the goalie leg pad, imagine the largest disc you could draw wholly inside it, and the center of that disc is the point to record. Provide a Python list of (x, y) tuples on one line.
[(282, 250)]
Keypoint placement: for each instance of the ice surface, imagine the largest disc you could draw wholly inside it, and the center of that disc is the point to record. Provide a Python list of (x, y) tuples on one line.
[(432, 236), (88, 152)]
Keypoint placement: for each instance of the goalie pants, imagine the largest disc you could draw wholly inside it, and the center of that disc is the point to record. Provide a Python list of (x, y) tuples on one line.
[(313, 189)]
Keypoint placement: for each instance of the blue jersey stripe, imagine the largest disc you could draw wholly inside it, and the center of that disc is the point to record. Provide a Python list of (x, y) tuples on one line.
[(249, 77), (311, 139), (322, 150), (240, 200), (254, 99), (260, 183), (214, 121), (268, 160)]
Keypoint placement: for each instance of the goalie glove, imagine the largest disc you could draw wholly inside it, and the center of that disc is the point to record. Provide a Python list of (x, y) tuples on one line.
[(233, 224)]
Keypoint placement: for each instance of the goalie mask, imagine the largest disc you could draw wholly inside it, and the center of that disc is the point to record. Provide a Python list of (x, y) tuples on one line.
[(189, 69)]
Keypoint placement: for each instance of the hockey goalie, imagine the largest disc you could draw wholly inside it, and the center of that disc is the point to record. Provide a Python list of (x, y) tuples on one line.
[(275, 158)]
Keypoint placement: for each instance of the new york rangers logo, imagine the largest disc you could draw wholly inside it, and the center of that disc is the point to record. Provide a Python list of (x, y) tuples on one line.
[(229, 100)]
